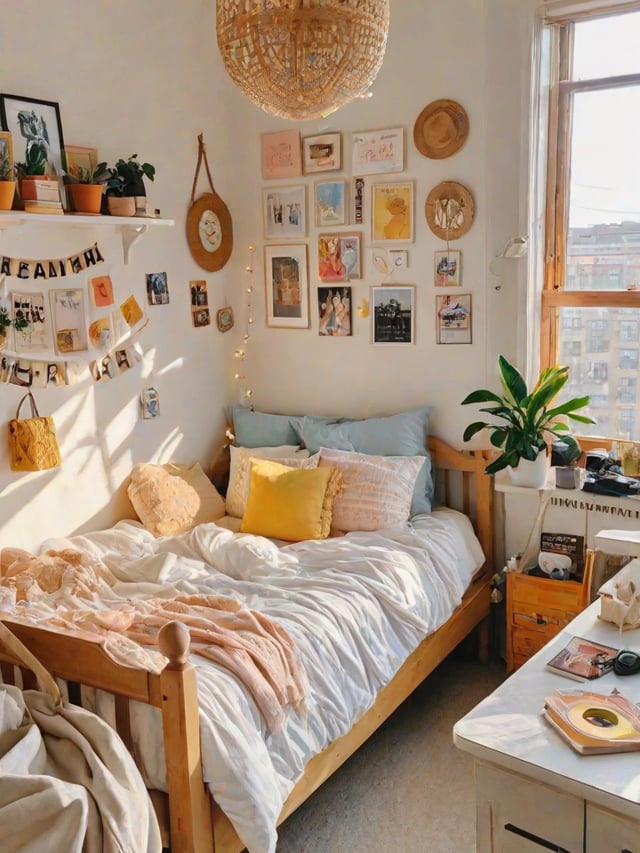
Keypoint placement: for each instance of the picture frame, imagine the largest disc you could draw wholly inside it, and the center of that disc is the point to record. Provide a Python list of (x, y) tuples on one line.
[(68, 320), (287, 286), (393, 314), (77, 157), (6, 148), (31, 122), (322, 153), (330, 203), (281, 155), (334, 311), (377, 152), (447, 271), (358, 189), (392, 213), (31, 307), (339, 256), (285, 212), (454, 319)]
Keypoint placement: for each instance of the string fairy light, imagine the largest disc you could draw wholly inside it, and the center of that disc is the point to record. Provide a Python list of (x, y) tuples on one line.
[(241, 353)]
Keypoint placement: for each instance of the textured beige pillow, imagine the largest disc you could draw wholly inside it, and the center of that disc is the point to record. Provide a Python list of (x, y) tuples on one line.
[(169, 499), (376, 490), (240, 470)]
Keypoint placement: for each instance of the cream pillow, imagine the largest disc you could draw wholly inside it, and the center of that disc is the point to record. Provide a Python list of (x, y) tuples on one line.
[(376, 490), (239, 470), (289, 503), (169, 499)]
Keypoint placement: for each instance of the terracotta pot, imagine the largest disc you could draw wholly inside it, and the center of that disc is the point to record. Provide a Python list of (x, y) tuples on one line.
[(121, 205), (7, 193), (26, 187), (85, 198)]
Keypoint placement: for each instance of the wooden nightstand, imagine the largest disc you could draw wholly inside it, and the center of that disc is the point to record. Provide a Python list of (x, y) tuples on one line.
[(538, 608)]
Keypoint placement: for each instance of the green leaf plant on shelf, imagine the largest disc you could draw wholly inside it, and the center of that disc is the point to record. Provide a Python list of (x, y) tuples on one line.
[(531, 421), (126, 181)]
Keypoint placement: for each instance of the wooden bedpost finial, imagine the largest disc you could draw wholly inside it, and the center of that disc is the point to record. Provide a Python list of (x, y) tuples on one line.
[(174, 642)]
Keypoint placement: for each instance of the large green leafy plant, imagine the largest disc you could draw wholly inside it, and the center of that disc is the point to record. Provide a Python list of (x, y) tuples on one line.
[(126, 177), (529, 417)]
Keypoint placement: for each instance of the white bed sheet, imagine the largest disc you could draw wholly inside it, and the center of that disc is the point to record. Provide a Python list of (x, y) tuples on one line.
[(355, 605)]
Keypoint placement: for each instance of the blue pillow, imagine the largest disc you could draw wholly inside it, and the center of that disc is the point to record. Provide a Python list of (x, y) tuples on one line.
[(259, 429), (404, 434)]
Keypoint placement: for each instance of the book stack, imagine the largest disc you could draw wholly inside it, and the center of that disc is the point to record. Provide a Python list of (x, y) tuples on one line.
[(582, 659), (41, 196)]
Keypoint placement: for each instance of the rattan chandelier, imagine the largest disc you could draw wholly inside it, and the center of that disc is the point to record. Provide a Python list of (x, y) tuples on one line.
[(302, 59)]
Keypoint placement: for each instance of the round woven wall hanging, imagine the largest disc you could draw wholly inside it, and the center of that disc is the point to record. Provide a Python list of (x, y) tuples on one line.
[(449, 210), (209, 227), (441, 129)]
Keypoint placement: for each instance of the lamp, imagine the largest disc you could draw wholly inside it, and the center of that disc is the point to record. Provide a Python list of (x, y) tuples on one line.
[(302, 59)]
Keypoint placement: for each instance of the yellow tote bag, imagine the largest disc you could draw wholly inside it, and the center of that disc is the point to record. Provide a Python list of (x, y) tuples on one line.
[(33, 445)]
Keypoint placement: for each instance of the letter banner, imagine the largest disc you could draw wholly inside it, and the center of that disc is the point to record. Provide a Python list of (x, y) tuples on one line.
[(51, 268)]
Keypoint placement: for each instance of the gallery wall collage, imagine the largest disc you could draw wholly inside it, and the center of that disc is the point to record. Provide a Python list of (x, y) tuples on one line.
[(318, 234)]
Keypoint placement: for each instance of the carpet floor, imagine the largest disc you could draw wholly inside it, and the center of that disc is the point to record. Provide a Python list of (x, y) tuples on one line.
[(407, 789)]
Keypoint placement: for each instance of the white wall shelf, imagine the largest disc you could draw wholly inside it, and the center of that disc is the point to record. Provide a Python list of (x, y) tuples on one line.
[(131, 228)]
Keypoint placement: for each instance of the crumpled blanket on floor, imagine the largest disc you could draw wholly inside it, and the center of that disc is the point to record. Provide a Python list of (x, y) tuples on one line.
[(67, 782)]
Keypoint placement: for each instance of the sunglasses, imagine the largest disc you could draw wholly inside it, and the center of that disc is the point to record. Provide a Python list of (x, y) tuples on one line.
[(626, 662)]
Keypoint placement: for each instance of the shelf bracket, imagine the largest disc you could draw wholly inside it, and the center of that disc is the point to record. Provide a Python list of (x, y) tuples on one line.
[(129, 234)]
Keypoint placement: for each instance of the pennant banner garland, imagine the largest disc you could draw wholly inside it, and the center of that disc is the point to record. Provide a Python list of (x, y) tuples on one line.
[(53, 267)]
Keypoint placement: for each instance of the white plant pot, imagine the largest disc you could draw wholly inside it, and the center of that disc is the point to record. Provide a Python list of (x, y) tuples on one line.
[(532, 475)]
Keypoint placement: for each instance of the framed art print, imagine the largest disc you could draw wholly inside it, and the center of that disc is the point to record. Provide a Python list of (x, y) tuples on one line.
[(36, 130), (378, 152), (78, 159), (446, 268), (339, 256), (453, 319), (30, 309), (392, 215), (330, 203), (285, 212), (393, 314), (281, 155), (334, 311), (322, 153), (6, 150), (287, 286)]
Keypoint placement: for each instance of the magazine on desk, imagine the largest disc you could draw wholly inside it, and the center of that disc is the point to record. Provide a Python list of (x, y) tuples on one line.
[(582, 659)]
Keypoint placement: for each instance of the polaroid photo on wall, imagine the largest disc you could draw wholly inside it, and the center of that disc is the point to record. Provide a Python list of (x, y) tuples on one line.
[(446, 268), (454, 319)]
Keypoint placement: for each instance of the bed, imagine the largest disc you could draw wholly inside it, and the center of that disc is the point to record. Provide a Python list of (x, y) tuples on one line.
[(193, 720)]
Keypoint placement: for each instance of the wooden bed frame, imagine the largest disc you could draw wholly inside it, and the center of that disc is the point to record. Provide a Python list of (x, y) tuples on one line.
[(189, 819)]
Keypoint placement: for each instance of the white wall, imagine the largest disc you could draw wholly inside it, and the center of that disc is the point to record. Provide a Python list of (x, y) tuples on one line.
[(145, 76)]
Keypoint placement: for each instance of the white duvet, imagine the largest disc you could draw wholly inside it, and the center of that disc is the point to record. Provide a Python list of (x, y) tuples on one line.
[(356, 606)]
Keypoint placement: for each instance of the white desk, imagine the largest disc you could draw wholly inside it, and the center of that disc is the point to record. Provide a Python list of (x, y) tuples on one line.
[(529, 780)]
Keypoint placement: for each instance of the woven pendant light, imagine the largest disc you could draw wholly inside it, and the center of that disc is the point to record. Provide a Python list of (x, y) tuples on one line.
[(302, 59)]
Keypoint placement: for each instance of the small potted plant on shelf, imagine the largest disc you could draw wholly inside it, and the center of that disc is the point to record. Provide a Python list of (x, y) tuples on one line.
[(126, 193), (530, 420), (85, 187), (35, 167)]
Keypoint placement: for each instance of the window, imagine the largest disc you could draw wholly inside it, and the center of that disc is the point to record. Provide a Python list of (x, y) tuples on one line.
[(627, 390), (591, 292)]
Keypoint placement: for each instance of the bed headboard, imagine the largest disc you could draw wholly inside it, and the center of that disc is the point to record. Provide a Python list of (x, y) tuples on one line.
[(461, 483)]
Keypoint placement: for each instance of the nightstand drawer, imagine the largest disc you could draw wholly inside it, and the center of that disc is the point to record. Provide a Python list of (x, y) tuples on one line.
[(527, 643), (526, 616), (548, 594)]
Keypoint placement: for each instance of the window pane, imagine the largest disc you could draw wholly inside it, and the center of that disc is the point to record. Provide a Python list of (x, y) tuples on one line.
[(599, 346), (607, 47), (605, 167)]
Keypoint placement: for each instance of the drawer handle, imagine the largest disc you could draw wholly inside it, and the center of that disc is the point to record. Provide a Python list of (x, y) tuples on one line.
[(533, 617), (548, 845)]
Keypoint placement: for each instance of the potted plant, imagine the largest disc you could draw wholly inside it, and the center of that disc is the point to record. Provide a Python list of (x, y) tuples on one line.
[(529, 420), (126, 181), (35, 167), (7, 181), (85, 187)]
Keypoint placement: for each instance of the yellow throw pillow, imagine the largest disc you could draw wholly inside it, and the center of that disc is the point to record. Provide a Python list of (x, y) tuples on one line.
[(288, 503)]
